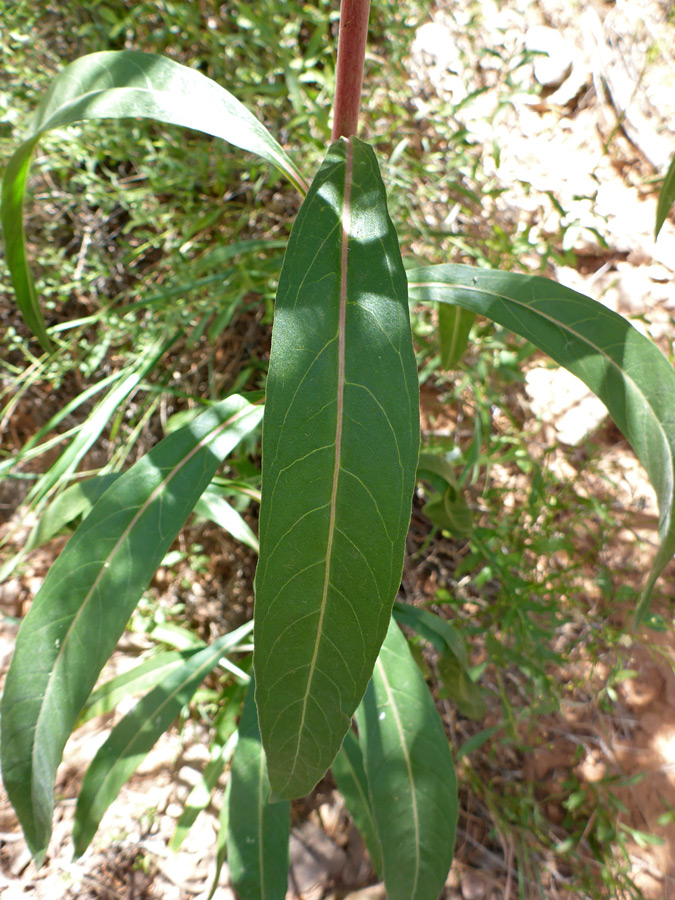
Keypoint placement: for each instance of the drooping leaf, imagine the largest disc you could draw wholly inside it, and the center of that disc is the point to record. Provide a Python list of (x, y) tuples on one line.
[(666, 198), (121, 85), (350, 777), (410, 774), (454, 325), (257, 842), (85, 602), (136, 734), (340, 446), (622, 367)]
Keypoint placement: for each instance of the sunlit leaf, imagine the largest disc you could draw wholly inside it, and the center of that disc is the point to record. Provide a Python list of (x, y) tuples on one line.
[(411, 777), (136, 734), (121, 85), (257, 843), (85, 602), (340, 447), (622, 367)]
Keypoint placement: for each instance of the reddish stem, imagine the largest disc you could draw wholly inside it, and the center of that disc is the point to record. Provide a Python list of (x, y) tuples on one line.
[(351, 54)]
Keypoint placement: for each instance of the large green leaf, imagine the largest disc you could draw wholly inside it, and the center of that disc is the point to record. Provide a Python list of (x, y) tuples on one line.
[(257, 842), (91, 590), (121, 85), (410, 774), (340, 447), (350, 777), (136, 734), (622, 367), (666, 197)]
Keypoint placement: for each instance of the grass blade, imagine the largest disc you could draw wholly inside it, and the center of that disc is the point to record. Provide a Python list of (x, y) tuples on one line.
[(136, 734), (410, 774), (257, 842), (214, 507), (622, 367), (340, 447), (666, 198), (120, 85), (85, 602)]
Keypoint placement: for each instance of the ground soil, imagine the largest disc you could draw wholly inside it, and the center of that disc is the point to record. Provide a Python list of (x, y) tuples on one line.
[(577, 162)]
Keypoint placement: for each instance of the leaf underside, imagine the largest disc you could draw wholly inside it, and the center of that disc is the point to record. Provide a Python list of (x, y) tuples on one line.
[(258, 830), (85, 602), (121, 85), (340, 447), (410, 774), (622, 367)]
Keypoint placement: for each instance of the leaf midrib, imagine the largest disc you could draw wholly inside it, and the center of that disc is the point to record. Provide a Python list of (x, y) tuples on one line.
[(346, 228), (212, 435), (564, 326), (406, 755)]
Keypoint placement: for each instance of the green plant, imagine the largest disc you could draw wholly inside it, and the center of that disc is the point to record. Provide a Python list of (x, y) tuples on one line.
[(340, 457)]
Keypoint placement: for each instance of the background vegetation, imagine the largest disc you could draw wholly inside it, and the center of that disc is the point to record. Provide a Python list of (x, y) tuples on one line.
[(163, 264)]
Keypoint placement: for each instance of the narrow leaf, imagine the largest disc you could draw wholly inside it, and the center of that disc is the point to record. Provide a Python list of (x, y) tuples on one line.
[(340, 446), (121, 85), (257, 842), (141, 678), (410, 774), (350, 777), (136, 734), (77, 500), (214, 507), (85, 602), (666, 198), (622, 367), (454, 325)]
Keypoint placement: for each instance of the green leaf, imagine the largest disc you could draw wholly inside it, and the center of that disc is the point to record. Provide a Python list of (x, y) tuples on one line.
[(454, 325), (257, 842), (85, 602), (340, 447), (458, 686), (622, 367), (77, 500), (214, 507), (410, 774), (136, 734), (141, 678), (440, 634), (121, 85), (666, 198), (350, 777)]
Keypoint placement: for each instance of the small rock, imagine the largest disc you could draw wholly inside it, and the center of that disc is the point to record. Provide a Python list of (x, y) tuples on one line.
[(473, 887), (555, 57)]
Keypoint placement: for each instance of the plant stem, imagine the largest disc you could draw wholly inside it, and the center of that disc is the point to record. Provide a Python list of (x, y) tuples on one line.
[(351, 54)]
